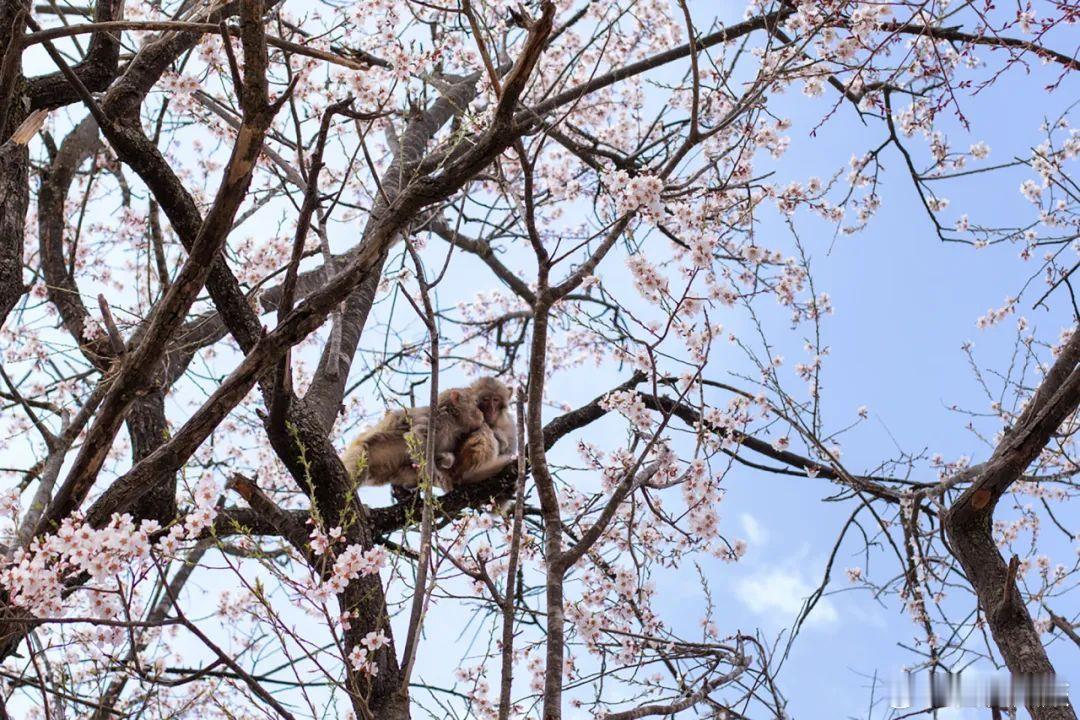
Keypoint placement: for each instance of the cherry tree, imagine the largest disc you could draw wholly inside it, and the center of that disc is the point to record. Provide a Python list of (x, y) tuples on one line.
[(235, 233)]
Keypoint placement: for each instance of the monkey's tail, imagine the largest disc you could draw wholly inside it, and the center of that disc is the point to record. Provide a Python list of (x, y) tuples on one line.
[(355, 461), (351, 458)]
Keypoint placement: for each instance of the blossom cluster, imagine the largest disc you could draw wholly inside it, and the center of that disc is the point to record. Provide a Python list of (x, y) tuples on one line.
[(362, 656), (639, 193), (36, 574), (353, 562)]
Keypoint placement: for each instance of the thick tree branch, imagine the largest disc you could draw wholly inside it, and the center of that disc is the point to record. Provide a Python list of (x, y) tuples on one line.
[(969, 523)]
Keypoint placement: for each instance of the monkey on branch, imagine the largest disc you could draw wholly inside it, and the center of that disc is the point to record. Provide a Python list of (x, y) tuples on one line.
[(474, 432)]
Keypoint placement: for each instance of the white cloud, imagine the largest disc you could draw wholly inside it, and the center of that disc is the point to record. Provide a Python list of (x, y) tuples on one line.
[(754, 532), (778, 595)]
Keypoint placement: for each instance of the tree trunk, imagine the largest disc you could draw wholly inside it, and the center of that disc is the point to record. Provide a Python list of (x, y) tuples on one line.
[(969, 523)]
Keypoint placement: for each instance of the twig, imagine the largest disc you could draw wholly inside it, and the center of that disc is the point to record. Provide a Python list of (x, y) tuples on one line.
[(512, 565), (116, 340)]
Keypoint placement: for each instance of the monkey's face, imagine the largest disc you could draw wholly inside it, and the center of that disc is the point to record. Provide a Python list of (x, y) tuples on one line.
[(492, 405)]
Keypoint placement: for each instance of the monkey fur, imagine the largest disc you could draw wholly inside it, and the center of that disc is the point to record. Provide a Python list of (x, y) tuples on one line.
[(489, 449), (382, 454)]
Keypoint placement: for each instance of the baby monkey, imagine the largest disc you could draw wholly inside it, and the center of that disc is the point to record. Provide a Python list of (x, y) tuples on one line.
[(382, 454), (490, 448)]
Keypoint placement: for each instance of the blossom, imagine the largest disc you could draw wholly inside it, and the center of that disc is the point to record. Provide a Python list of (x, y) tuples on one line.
[(639, 193), (995, 315), (1031, 190), (354, 562), (753, 253), (648, 279), (630, 405), (375, 640), (360, 660)]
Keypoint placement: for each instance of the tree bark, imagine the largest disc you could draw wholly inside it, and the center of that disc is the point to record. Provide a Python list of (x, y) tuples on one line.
[(14, 201), (14, 158), (969, 524)]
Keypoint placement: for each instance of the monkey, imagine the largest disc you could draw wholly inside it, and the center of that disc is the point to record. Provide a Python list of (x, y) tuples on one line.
[(475, 457), (493, 399), (489, 449), (382, 455)]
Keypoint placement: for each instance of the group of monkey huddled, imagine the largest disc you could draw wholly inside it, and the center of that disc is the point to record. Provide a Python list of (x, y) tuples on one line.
[(474, 436)]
